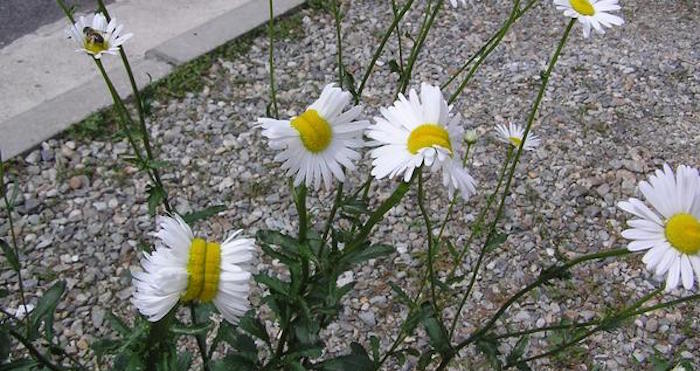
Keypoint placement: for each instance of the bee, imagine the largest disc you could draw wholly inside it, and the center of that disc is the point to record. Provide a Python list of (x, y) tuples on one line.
[(93, 36)]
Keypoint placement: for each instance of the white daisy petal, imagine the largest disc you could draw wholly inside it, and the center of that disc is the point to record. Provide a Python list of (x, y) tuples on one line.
[(419, 131), (97, 36), (592, 14), (673, 238), (513, 135), (169, 270), (316, 144)]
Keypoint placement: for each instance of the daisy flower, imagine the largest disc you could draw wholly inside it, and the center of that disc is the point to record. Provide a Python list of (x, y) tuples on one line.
[(455, 3), (419, 131), (671, 231), (98, 37), (184, 268), (513, 135), (317, 144), (591, 13)]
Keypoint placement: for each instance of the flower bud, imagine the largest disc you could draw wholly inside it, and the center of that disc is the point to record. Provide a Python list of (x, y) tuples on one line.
[(470, 136)]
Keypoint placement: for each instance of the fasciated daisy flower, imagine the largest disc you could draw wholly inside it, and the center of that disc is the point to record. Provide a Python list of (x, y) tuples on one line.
[(591, 13), (184, 268), (97, 37), (419, 131), (317, 144), (513, 135), (671, 231)]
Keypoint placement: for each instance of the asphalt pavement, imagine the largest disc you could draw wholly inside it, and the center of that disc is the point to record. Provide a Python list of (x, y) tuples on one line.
[(20, 17)]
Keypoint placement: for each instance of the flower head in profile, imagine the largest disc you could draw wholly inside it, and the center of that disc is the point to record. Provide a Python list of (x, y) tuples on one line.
[(418, 131), (185, 268), (591, 13), (97, 37), (316, 145), (513, 135), (671, 230), (455, 3)]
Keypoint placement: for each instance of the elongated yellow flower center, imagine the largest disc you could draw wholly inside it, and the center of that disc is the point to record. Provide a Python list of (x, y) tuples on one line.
[(515, 141), (683, 232), (95, 46), (314, 130), (428, 135), (582, 7), (203, 269)]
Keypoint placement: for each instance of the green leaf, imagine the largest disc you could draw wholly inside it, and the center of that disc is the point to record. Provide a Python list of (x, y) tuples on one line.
[(234, 362), (425, 359), (518, 351), (374, 344), (44, 311), (495, 241), (356, 360), (350, 83), (394, 66), (275, 238), (489, 347), (10, 255), (105, 346), (274, 284), (184, 360), (355, 206), (307, 331), (156, 195), (194, 330), (3, 293), (4, 346), (204, 214), (363, 254), (402, 296), (252, 325), (24, 364), (117, 324), (437, 333), (451, 249)]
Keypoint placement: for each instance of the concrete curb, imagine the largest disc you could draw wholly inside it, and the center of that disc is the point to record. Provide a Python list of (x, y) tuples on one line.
[(28, 129)]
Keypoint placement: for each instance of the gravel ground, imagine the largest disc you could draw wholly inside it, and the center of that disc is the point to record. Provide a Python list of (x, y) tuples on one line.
[(617, 107)]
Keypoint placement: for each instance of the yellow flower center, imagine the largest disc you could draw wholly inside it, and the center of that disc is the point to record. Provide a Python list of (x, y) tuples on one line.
[(515, 141), (203, 270), (428, 135), (683, 232), (314, 130), (582, 7), (95, 46)]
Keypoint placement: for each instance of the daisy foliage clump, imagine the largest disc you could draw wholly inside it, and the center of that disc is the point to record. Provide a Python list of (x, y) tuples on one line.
[(346, 168)]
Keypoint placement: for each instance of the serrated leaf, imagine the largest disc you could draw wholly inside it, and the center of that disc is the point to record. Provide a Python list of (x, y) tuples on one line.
[(356, 360), (234, 362), (105, 346), (252, 325), (117, 324), (156, 195), (10, 255), (363, 254), (44, 311), (203, 214), (402, 296), (518, 351), (184, 360), (275, 285), (425, 359), (439, 339), (495, 241)]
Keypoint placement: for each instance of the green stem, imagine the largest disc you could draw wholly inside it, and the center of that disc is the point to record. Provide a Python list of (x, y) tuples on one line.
[(378, 214), (482, 253), (201, 339), (271, 35), (339, 42), (395, 9), (605, 323), (9, 208), (487, 48), (378, 51), (334, 210), (426, 220), (34, 352), (145, 136), (545, 276), (418, 46)]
